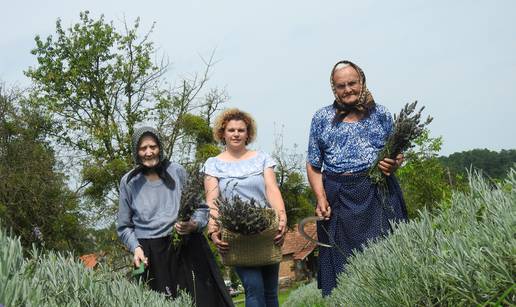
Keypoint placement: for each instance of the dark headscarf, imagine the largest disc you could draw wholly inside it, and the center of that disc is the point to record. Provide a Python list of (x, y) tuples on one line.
[(365, 101), (160, 168)]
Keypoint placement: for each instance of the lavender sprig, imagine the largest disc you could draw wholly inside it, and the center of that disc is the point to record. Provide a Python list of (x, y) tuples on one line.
[(192, 198), (407, 128), (243, 217)]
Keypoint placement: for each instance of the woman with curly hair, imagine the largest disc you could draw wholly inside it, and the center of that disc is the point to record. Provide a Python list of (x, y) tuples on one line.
[(250, 175)]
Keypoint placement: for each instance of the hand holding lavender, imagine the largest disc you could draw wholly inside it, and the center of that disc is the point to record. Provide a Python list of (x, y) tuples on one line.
[(407, 127)]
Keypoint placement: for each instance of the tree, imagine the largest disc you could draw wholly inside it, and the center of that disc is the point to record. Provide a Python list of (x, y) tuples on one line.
[(184, 117), (493, 164), (297, 195), (423, 179), (34, 199), (97, 84)]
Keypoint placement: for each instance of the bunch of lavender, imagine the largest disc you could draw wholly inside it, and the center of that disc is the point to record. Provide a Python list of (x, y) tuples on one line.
[(192, 198), (244, 217), (407, 127)]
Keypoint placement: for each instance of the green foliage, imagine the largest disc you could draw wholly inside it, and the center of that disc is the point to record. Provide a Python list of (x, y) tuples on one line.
[(423, 179), (34, 199), (94, 81), (102, 174), (95, 84), (298, 198), (463, 256), (110, 249), (407, 128), (183, 118), (297, 195), (196, 136), (56, 280), (493, 164), (305, 296), (197, 127), (206, 151)]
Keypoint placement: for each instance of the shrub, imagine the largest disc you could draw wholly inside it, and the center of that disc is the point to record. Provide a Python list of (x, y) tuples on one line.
[(57, 280), (305, 296), (463, 255)]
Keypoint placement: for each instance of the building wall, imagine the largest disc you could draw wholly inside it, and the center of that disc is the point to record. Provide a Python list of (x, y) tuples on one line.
[(287, 267)]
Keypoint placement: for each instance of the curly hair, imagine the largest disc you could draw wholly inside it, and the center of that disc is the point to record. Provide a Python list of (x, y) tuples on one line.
[(233, 114)]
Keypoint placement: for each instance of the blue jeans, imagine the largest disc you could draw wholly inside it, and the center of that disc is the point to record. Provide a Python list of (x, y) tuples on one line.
[(260, 284)]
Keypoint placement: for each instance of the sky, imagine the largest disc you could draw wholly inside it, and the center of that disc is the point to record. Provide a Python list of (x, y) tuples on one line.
[(457, 58)]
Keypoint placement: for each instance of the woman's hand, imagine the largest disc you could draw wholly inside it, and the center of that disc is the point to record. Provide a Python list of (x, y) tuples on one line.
[(315, 179), (139, 257), (222, 247), (282, 229), (323, 208), (389, 166), (184, 228)]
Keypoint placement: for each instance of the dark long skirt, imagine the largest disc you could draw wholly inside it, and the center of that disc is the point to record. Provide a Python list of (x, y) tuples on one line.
[(191, 267), (357, 215)]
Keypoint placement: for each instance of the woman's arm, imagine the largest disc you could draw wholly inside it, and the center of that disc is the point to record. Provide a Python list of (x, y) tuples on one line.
[(315, 179), (125, 226), (274, 197), (211, 190)]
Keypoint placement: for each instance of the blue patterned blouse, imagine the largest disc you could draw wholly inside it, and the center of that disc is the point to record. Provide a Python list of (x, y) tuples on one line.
[(243, 178), (347, 147)]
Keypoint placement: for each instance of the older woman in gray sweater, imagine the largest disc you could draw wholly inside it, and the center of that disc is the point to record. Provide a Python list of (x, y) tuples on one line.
[(150, 196)]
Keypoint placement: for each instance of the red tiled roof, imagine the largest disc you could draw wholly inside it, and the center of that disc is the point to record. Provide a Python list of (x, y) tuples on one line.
[(90, 260), (297, 245)]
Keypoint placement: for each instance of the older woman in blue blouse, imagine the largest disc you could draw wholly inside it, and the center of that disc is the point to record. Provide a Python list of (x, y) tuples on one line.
[(250, 175), (345, 139)]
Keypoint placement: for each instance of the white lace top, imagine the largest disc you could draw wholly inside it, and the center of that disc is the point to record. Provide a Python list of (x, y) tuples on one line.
[(243, 178)]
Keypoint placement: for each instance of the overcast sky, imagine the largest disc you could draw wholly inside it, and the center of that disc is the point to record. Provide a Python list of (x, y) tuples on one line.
[(458, 58)]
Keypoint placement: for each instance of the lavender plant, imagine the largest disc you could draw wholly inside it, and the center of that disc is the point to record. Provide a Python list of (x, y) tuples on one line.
[(244, 217), (192, 198), (407, 127), (56, 279), (463, 254)]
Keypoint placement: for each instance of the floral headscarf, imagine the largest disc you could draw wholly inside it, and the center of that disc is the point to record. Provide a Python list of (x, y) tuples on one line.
[(365, 100)]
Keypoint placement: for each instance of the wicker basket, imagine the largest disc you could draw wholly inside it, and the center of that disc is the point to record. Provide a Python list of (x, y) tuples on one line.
[(251, 250)]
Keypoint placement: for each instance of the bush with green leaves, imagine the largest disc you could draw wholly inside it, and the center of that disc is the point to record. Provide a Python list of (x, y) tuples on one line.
[(463, 255), (305, 296), (56, 280)]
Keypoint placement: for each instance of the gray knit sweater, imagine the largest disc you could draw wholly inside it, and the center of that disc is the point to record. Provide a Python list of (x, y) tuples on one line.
[(148, 209)]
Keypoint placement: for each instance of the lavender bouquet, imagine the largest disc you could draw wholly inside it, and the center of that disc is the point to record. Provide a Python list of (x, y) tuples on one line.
[(192, 198), (243, 217), (407, 127), (250, 230)]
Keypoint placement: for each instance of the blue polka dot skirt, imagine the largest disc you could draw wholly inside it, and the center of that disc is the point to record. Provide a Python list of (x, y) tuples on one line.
[(358, 214)]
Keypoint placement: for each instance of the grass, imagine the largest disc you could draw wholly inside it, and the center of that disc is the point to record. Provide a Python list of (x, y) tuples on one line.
[(283, 294)]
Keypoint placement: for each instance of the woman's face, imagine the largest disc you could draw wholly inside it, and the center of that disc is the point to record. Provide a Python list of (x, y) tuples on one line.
[(347, 85), (235, 133), (148, 151)]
